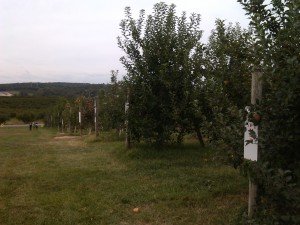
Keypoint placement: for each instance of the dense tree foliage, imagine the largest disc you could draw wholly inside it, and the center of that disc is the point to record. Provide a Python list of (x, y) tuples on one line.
[(227, 85), (111, 104), (65, 114), (177, 83), (159, 52), (110, 107), (27, 117), (4, 118), (277, 52)]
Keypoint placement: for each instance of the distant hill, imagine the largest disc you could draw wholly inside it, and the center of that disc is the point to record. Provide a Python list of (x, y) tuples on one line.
[(58, 89)]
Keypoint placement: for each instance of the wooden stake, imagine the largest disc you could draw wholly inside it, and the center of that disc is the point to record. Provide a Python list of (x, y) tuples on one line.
[(96, 116), (127, 140), (80, 122), (70, 113), (58, 122), (256, 87), (256, 94), (62, 125)]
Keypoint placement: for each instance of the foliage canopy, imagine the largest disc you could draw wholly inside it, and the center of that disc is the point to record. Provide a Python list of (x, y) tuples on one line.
[(161, 52)]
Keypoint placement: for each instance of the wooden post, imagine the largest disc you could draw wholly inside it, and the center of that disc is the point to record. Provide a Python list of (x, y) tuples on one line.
[(256, 87), (127, 140), (256, 94), (70, 113), (96, 115), (79, 120), (62, 125), (58, 122)]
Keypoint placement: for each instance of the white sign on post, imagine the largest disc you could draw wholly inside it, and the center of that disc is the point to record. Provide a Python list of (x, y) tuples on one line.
[(79, 117), (250, 141), (126, 107)]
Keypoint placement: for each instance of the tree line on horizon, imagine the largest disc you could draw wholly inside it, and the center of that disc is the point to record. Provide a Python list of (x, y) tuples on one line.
[(53, 89)]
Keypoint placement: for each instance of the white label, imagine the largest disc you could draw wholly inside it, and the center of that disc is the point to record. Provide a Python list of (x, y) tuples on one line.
[(79, 117), (126, 106), (250, 141)]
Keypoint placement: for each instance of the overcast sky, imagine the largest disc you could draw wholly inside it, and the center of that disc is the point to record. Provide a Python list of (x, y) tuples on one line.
[(75, 40)]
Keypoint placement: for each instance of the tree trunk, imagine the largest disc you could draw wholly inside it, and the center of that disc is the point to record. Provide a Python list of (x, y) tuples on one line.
[(180, 136), (199, 135)]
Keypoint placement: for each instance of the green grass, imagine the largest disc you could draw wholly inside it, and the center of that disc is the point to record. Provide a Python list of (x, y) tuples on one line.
[(44, 180)]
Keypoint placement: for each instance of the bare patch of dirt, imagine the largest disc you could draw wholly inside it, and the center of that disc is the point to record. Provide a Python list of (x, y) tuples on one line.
[(65, 137)]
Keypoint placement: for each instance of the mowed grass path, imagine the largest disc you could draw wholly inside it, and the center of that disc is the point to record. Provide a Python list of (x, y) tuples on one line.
[(51, 181)]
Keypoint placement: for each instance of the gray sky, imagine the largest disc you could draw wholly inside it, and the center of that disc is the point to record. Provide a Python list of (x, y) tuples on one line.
[(75, 40)]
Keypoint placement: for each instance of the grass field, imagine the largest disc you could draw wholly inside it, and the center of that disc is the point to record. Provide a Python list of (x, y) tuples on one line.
[(48, 180)]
